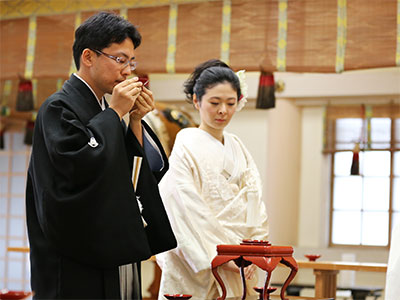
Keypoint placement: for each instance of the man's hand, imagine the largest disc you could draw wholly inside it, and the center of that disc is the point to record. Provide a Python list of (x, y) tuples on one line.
[(125, 95), (143, 105)]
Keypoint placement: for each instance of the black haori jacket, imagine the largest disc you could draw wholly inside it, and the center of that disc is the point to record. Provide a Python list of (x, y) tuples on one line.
[(82, 215)]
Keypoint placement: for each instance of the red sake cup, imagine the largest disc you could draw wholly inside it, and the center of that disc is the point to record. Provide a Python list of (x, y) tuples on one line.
[(312, 257)]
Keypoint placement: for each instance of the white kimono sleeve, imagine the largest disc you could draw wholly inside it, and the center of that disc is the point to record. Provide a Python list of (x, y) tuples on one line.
[(194, 224)]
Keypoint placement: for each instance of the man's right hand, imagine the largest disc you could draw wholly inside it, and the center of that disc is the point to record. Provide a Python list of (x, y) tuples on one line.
[(124, 96)]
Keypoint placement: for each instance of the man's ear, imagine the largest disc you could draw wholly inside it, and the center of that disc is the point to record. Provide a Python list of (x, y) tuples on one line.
[(87, 57), (196, 102)]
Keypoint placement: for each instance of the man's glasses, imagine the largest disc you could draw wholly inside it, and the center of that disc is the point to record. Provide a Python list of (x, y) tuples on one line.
[(123, 61)]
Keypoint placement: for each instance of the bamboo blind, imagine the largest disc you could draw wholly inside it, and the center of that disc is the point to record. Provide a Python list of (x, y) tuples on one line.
[(364, 112), (36, 37), (308, 34)]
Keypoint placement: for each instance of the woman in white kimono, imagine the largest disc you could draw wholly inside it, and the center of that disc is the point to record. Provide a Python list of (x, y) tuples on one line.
[(212, 191)]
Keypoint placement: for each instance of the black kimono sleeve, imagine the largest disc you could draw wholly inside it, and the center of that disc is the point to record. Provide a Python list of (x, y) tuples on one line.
[(81, 195), (158, 230)]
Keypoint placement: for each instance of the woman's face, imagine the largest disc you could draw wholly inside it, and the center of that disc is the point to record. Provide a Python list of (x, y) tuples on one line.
[(216, 108)]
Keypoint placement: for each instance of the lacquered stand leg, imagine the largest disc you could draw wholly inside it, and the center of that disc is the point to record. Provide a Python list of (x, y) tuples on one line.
[(267, 280), (242, 263), (292, 264), (221, 283), (243, 279), (267, 264), (217, 261)]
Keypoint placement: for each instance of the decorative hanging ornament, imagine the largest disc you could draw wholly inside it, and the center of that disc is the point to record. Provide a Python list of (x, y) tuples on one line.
[(25, 95), (355, 164), (266, 91), (2, 130), (29, 128), (5, 111), (30, 125)]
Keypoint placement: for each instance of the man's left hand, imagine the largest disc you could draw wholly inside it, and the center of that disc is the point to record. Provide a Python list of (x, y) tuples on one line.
[(143, 105)]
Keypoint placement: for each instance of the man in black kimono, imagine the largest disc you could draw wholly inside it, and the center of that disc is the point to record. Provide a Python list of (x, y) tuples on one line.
[(85, 218)]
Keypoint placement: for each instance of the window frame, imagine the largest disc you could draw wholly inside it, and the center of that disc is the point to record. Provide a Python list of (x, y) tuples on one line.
[(391, 111), (9, 153)]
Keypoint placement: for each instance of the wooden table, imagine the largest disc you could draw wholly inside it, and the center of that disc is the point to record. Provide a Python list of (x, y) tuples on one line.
[(18, 249), (326, 273)]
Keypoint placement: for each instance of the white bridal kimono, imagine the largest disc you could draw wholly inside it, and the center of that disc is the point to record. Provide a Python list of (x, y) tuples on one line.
[(212, 194)]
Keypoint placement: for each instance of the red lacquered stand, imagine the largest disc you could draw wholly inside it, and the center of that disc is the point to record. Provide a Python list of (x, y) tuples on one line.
[(262, 254)]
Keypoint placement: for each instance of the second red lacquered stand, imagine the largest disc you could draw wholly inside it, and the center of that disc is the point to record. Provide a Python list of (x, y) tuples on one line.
[(260, 253)]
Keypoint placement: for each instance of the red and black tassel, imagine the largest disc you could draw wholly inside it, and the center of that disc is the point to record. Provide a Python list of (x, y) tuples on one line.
[(266, 91), (355, 164), (30, 125), (25, 96), (2, 130)]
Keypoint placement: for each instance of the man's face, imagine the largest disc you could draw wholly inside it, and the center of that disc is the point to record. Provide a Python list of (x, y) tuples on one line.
[(106, 72)]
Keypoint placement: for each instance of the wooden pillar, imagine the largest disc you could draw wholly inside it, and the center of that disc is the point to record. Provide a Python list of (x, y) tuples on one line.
[(325, 283)]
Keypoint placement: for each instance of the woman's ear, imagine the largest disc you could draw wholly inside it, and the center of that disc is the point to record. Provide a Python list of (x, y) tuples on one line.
[(196, 102), (87, 57)]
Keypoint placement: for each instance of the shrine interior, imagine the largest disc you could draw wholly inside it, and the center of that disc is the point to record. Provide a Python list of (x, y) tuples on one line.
[(328, 97)]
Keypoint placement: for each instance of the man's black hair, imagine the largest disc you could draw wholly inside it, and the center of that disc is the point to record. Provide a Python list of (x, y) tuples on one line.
[(100, 31)]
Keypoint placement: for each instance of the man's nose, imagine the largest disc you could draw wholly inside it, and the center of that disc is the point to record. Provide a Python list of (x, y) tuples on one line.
[(126, 70)]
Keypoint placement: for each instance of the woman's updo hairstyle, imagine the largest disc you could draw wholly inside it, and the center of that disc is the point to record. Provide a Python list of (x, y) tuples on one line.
[(208, 75)]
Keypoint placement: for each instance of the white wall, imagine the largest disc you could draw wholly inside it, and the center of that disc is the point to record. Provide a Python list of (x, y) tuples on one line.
[(366, 83), (273, 136), (312, 208)]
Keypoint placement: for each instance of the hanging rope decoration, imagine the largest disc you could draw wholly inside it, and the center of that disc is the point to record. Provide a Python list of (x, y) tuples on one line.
[(28, 138), (172, 30), (368, 117), (5, 110), (2, 131), (266, 91), (355, 163), (123, 12), (341, 38), (31, 44), (398, 35), (78, 20), (226, 31), (282, 36), (25, 94)]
